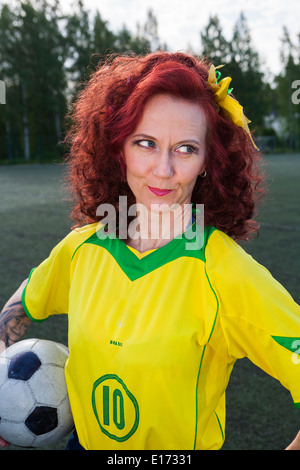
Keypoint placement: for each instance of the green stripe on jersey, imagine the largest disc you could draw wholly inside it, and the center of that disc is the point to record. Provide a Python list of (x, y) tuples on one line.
[(290, 343), (135, 267)]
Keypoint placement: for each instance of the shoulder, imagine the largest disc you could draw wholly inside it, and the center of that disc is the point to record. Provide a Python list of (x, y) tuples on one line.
[(221, 247), (229, 263), (80, 234), (236, 275), (76, 237)]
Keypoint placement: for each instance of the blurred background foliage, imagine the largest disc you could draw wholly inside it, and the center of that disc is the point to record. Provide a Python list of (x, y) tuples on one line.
[(47, 55), (45, 58)]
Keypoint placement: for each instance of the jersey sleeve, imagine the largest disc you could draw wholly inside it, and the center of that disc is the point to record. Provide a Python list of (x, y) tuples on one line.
[(47, 290), (259, 318)]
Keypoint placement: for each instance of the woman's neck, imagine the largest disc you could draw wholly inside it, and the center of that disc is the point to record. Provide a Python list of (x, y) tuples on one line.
[(153, 229)]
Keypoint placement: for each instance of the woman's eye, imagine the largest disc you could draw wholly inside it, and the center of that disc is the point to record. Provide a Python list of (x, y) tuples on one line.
[(145, 143), (186, 149)]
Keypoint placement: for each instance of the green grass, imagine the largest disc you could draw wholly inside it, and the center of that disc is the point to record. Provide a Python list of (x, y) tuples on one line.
[(34, 217)]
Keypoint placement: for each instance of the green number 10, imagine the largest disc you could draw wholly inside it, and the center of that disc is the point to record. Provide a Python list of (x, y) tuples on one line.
[(118, 407)]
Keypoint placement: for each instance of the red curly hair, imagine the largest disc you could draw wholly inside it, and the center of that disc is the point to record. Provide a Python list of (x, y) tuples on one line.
[(110, 107)]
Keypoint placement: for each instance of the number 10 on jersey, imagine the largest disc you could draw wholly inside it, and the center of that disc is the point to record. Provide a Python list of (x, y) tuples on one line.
[(115, 407)]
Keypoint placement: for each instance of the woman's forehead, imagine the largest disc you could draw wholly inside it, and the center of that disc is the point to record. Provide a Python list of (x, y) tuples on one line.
[(166, 113)]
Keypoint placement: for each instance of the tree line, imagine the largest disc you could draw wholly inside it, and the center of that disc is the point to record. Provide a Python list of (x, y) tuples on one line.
[(267, 99), (46, 56)]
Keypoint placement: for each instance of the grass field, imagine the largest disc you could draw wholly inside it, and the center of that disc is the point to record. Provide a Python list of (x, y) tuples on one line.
[(34, 217)]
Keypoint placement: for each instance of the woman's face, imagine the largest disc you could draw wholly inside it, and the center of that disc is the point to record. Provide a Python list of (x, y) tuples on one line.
[(166, 152)]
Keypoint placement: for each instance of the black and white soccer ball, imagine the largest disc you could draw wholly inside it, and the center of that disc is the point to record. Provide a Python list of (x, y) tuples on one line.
[(34, 404)]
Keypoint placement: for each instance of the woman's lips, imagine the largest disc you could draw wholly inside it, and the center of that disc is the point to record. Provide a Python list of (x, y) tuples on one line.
[(160, 192)]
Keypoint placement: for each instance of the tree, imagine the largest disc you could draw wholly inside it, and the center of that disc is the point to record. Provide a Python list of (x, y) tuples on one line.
[(288, 49), (7, 74), (45, 58), (214, 45), (288, 110), (248, 80), (241, 47), (103, 38), (149, 31), (79, 41), (242, 65), (127, 42), (34, 58), (145, 40)]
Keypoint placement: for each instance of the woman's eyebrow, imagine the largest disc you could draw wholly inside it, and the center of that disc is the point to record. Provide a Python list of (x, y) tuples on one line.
[(149, 137), (145, 136), (189, 141)]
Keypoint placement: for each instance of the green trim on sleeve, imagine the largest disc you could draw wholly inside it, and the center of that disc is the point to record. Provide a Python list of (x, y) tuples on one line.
[(24, 303), (297, 405), (290, 343)]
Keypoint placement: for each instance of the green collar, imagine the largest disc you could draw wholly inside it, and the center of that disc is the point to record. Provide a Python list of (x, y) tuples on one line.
[(134, 267)]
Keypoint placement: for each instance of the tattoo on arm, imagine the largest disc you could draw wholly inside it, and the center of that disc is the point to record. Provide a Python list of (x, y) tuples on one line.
[(13, 323)]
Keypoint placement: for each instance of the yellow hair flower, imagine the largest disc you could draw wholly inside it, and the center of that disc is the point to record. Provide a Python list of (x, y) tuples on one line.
[(230, 106)]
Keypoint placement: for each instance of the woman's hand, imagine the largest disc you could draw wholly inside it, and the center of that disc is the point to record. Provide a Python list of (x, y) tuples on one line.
[(295, 444)]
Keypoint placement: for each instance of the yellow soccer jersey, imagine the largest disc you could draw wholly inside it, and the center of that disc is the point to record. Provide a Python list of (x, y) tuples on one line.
[(153, 336)]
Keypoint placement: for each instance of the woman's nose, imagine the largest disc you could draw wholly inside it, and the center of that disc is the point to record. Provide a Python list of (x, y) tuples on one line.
[(163, 165)]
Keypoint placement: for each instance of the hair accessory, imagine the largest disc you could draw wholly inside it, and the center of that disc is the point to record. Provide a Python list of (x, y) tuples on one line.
[(230, 106)]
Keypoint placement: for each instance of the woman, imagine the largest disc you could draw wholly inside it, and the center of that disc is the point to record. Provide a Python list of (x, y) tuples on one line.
[(159, 311)]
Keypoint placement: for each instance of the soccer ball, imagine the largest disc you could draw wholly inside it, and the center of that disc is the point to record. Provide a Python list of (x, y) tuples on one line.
[(34, 403)]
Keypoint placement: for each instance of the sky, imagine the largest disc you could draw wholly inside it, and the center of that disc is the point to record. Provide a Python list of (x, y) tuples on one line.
[(180, 22)]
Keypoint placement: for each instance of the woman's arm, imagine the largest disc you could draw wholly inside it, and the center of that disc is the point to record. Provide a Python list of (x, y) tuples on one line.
[(295, 445), (13, 324), (13, 320)]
